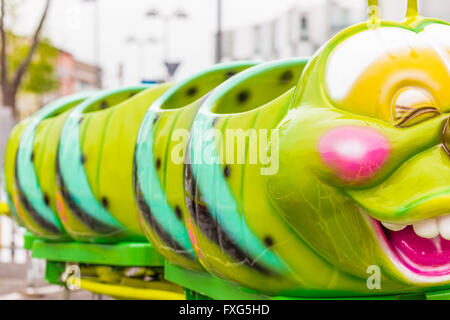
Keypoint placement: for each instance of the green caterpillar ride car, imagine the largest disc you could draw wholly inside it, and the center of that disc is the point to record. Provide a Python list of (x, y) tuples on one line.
[(312, 177)]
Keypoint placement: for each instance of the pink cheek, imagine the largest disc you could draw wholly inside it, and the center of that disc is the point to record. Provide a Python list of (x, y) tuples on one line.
[(355, 154)]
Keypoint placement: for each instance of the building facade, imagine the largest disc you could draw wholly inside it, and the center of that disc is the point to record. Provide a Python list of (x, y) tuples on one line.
[(299, 31), (302, 29), (73, 76)]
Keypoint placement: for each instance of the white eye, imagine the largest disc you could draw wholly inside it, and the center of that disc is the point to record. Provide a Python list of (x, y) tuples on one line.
[(413, 106)]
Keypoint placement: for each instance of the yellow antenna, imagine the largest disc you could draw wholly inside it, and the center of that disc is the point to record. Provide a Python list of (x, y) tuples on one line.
[(374, 9), (412, 11), (374, 14)]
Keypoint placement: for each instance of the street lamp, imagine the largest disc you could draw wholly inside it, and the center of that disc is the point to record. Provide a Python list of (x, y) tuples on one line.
[(180, 14), (141, 50), (177, 14), (219, 44), (96, 34), (152, 13)]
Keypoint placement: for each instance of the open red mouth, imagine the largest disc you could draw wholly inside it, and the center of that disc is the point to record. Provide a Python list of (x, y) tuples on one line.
[(419, 258), (429, 257)]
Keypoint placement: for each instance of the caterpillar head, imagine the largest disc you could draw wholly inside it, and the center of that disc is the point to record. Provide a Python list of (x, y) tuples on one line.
[(364, 151)]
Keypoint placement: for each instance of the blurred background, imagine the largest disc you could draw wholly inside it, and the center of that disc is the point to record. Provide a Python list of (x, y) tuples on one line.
[(54, 48)]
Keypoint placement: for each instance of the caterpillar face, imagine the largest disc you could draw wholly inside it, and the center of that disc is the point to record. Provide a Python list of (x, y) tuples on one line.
[(364, 164)]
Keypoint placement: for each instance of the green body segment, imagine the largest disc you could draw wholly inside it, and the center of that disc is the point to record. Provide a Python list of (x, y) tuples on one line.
[(163, 139), (10, 186), (32, 145), (238, 232), (95, 165)]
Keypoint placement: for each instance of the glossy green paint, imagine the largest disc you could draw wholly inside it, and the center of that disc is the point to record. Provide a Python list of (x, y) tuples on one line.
[(98, 173), (33, 148), (323, 209), (163, 138), (306, 215), (282, 223), (296, 268), (227, 199)]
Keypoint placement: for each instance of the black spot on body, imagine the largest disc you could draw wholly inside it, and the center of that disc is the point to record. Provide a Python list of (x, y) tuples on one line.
[(178, 212), (227, 171), (32, 156), (192, 91), (286, 76), (229, 74), (268, 241), (104, 105), (158, 164), (156, 118), (105, 202), (83, 159), (243, 96), (46, 199)]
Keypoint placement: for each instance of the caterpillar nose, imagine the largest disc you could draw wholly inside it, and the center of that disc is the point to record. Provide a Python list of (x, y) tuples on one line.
[(446, 137)]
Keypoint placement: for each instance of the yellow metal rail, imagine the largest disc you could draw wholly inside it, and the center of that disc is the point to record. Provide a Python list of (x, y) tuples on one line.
[(129, 293)]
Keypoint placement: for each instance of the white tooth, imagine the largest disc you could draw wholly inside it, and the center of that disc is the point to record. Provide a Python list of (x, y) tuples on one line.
[(394, 227), (427, 228), (444, 226)]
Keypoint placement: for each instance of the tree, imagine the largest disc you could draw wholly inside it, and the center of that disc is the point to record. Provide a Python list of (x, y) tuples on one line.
[(41, 76), (12, 73)]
